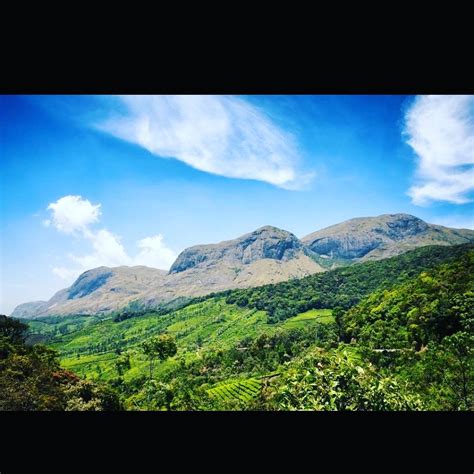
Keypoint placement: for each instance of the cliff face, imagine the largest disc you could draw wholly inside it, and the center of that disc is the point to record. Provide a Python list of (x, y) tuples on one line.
[(99, 290), (266, 242)]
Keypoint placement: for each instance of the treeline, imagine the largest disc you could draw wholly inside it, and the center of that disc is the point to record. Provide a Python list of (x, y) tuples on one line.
[(433, 305), (344, 287)]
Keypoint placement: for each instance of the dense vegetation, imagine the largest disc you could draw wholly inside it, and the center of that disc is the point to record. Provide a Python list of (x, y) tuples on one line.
[(343, 287), (32, 379), (395, 334)]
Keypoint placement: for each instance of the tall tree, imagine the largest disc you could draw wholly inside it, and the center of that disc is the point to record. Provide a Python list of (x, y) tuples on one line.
[(158, 347)]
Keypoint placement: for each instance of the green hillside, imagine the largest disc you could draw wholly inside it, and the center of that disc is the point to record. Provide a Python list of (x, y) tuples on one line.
[(228, 344), (92, 349), (343, 287)]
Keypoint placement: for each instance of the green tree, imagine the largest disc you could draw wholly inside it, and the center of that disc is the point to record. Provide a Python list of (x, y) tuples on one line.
[(123, 363), (161, 348), (12, 329), (331, 381)]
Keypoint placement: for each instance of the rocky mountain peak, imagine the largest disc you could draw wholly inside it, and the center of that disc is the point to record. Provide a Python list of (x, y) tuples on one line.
[(266, 255), (380, 236), (265, 242)]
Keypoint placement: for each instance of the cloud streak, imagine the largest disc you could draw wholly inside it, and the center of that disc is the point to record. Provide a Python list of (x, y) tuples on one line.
[(440, 130), (75, 215), (222, 135)]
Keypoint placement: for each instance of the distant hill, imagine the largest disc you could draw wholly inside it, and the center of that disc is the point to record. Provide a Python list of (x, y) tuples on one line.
[(100, 290), (266, 255)]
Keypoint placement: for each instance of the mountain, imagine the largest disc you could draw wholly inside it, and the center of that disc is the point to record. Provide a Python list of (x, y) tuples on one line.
[(266, 242), (266, 255), (29, 310), (374, 238), (99, 290)]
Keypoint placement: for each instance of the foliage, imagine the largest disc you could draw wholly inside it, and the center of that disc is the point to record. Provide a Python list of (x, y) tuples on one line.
[(394, 334), (85, 395), (332, 381), (435, 304), (32, 379), (343, 287), (160, 347)]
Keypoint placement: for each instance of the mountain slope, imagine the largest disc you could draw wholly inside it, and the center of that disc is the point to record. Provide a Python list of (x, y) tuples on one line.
[(266, 255), (265, 242), (100, 290), (373, 238), (344, 287)]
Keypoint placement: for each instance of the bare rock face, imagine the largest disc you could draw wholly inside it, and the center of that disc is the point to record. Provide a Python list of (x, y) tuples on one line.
[(267, 255), (29, 310), (372, 238), (266, 242)]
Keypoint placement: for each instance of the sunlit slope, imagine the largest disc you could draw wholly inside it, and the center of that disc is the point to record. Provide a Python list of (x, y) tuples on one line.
[(210, 325)]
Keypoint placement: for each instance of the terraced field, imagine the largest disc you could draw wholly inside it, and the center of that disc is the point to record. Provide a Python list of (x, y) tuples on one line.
[(243, 390), (309, 318), (90, 346)]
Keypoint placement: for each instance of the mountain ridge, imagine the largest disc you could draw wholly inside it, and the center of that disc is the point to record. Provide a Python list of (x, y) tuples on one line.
[(387, 235), (266, 255)]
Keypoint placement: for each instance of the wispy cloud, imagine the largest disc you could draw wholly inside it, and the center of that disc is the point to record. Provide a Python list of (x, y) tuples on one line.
[(224, 135), (440, 129), (76, 215)]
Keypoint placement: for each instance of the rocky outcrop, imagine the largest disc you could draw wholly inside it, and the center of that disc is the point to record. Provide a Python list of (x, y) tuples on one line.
[(29, 310), (379, 237), (267, 255), (266, 242)]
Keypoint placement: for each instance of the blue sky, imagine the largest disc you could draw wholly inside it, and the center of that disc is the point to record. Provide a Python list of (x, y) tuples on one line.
[(89, 181)]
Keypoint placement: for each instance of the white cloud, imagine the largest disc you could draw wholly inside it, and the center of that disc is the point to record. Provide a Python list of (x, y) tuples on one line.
[(73, 214), (108, 251), (217, 134), (440, 129), (154, 253)]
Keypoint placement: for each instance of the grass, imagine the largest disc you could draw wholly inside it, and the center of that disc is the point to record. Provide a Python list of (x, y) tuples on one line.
[(309, 318)]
